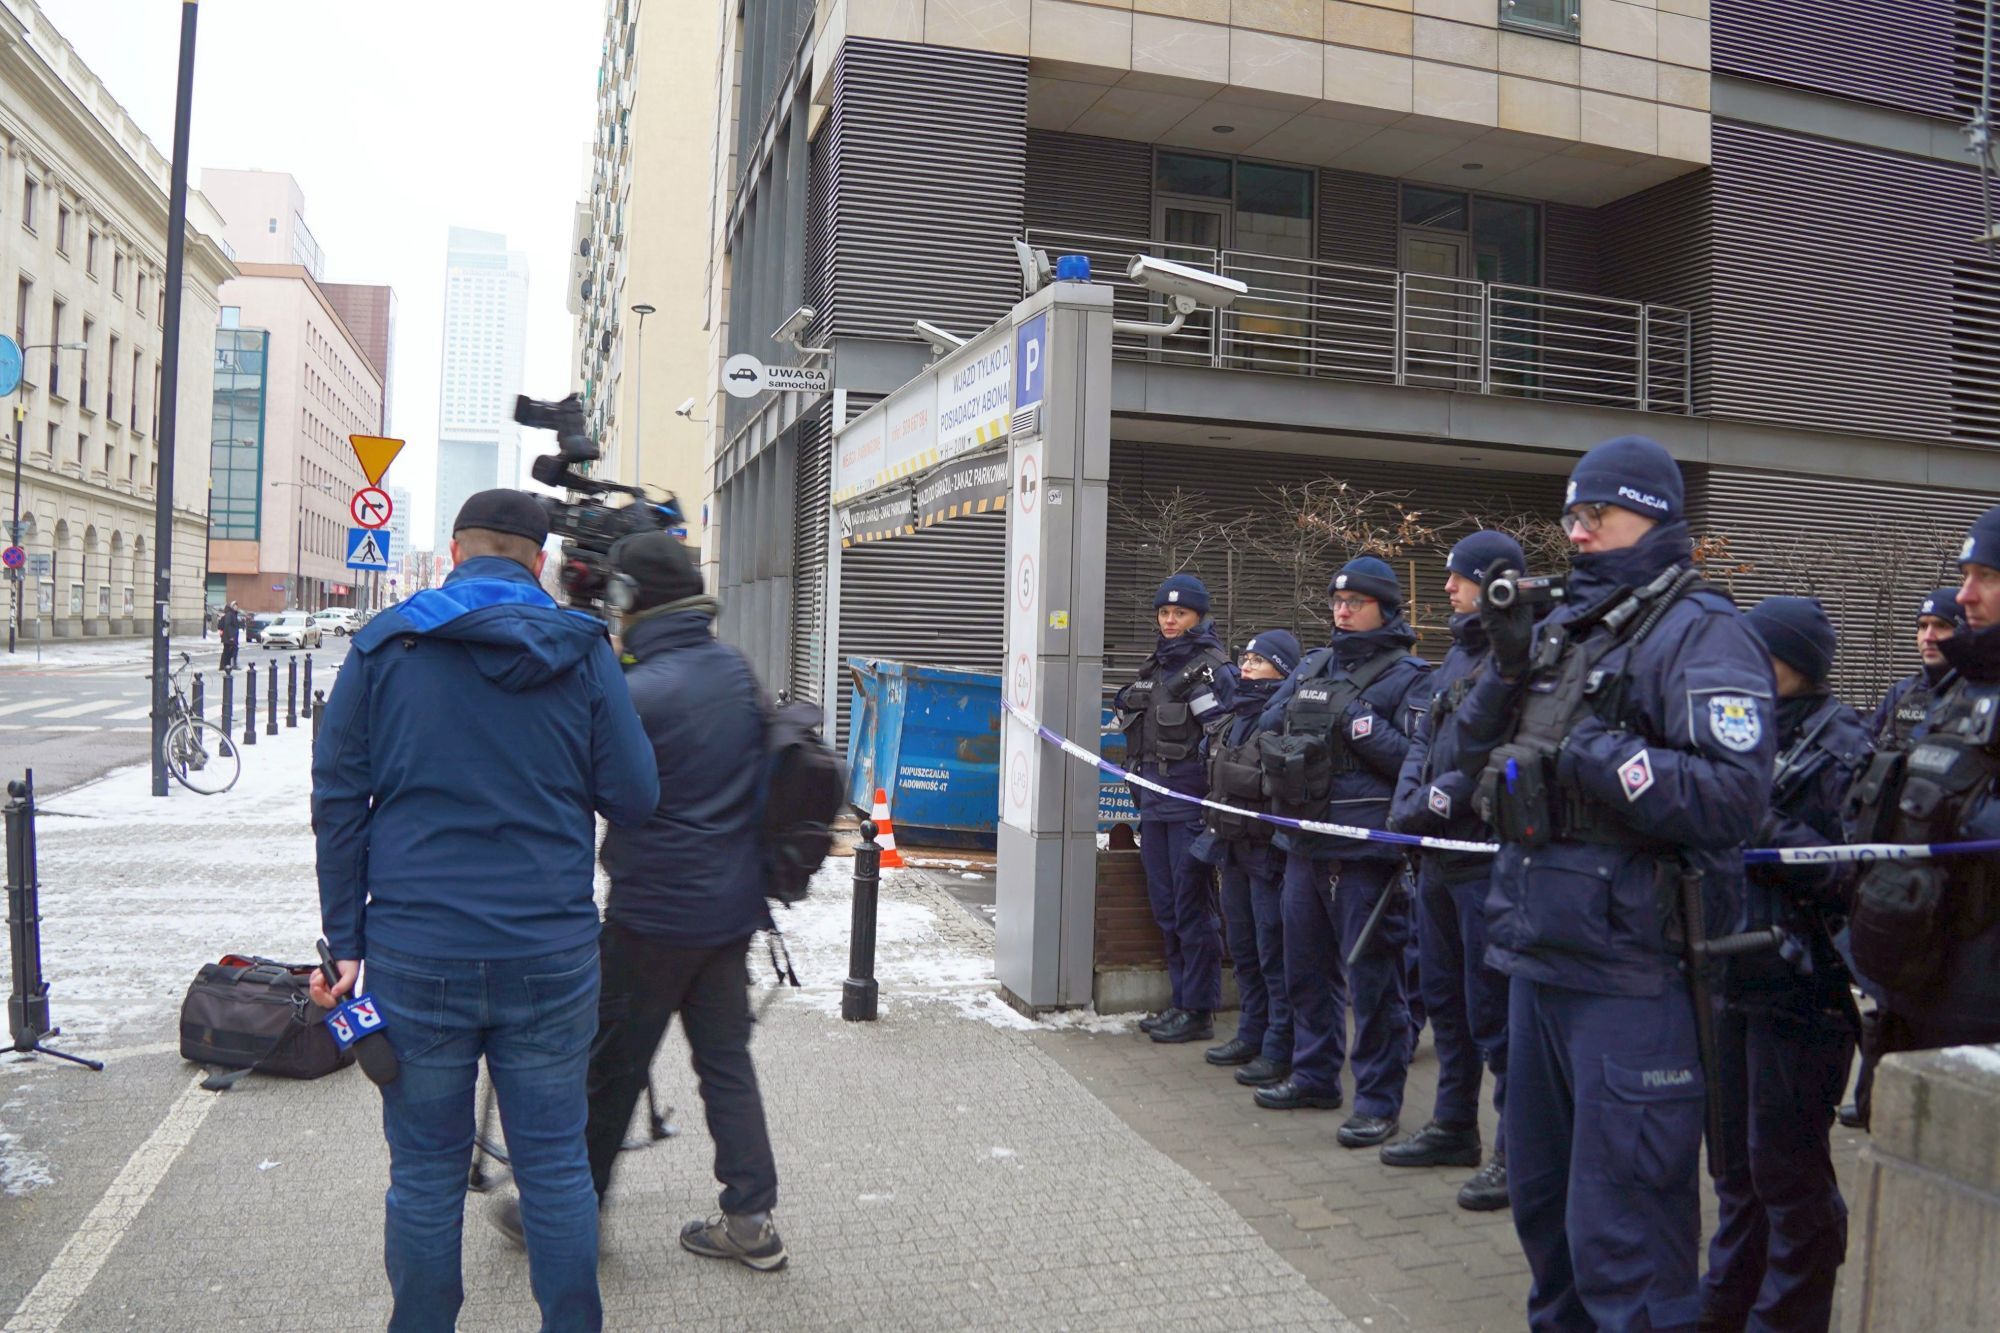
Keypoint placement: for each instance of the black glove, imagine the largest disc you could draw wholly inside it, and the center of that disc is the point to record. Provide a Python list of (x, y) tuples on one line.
[(1512, 634)]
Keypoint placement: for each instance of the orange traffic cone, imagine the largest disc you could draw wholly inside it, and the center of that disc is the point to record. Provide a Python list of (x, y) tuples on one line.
[(885, 831)]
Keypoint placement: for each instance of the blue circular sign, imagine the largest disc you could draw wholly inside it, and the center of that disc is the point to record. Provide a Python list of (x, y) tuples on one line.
[(10, 365)]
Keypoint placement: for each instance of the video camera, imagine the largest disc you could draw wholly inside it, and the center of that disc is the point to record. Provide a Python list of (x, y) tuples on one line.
[(1511, 587), (588, 525)]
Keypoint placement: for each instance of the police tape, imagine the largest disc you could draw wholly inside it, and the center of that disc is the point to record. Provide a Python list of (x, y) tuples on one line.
[(1847, 854)]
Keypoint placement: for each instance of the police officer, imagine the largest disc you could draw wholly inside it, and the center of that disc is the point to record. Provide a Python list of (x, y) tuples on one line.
[(1466, 995), (1786, 1033), (1624, 749), (1162, 714), (1340, 731), (1928, 932), (1901, 712), (1251, 873)]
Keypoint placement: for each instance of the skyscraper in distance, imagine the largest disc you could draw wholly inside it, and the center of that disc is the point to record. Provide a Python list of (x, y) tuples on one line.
[(485, 341)]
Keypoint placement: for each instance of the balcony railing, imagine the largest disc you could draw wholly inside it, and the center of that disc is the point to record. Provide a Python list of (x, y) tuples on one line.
[(1347, 321)]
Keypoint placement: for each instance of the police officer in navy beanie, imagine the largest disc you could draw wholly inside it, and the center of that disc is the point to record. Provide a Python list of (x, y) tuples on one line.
[(1631, 472), (1901, 713), (1789, 1021), (1163, 714), (1371, 578)]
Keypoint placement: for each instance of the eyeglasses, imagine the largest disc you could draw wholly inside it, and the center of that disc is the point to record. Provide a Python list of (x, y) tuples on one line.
[(1349, 602), (1584, 517)]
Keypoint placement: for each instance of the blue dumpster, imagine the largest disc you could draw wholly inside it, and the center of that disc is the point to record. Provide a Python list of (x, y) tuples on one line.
[(930, 737)]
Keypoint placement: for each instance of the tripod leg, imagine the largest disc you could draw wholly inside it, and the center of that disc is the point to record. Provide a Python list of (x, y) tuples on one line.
[(73, 1059), (662, 1129)]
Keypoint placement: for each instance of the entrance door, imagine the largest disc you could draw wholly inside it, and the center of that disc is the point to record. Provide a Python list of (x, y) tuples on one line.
[(1194, 233), (1440, 311)]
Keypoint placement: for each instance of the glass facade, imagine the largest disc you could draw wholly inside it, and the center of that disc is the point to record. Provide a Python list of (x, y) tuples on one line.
[(236, 435)]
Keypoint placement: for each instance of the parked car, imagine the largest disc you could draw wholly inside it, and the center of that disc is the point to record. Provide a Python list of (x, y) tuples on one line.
[(291, 629), (254, 626), (341, 620)]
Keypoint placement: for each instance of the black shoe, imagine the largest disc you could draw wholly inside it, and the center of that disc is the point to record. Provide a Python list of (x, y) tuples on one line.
[(503, 1213), (1289, 1096), (1235, 1051), (1262, 1073), (1486, 1192), (1365, 1131), (750, 1240), (1153, 1021), (1850, 1115), (1187, 1025), (1436, 1144)]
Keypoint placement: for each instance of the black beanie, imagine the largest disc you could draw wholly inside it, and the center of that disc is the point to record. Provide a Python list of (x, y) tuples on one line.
[(1485, 553), (1631, 472), (660, 567), (1795, 630), (1371, 578)]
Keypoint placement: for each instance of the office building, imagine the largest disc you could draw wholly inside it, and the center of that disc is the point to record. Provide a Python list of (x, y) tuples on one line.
[(485, 341), (369, 311)]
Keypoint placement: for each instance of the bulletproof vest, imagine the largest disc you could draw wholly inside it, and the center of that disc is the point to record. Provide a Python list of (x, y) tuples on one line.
[(1161, 725), (1446, 702), (1909, 714), (1235, 777), (1803, 757), (1300, 763)]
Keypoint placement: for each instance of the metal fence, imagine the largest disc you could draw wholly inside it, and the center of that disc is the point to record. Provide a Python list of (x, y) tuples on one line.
[(1346, 321)]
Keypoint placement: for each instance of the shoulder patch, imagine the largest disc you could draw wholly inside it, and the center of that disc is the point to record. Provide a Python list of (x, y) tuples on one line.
[(1635, 776), (1734, 721), (1362, 726), (1440, 802)]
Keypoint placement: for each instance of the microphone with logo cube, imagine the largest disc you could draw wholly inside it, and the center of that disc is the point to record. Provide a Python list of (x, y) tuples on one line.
[(357, 1024)]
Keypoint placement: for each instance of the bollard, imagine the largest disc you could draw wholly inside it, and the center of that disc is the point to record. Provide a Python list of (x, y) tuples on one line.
[(292, 691), (228, 699), (312, 709), (858, 992), (28, 1002), (318, 706), (197, 700), (250, 705), (271, 701)]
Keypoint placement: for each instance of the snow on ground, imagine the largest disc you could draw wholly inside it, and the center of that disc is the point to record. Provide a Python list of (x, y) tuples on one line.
[(91, 653)]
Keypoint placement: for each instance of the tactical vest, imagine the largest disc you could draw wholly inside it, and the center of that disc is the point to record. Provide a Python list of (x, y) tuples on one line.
[(1162, 726), (1300, 763), (1235, 777), (1909, 714), (1443, 705), (1907, 913), (1518, 795)]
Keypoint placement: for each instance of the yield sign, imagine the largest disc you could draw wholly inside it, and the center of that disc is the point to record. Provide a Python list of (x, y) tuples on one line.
[(376, 452), (371, 507)]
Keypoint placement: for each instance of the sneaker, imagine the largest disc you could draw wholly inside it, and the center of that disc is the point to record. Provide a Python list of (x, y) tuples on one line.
[(1158, 1018), (503, 1214), (1487, 1191), (1436, 1144), (1365, 1131), (1262, 1073), (1187, 1025), (1235, 1051), (751, 1240)]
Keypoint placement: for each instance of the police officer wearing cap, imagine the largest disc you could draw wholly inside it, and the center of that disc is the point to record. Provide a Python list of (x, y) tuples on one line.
[(1466, 995), (1338, 732), (1786, 1033), (1928, 932), (1163, 715), (1624, 747), (1901, 713)]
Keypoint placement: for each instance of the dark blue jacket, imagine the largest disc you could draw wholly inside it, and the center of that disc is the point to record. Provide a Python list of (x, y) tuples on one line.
[(1378, 726), (1685, 768), (693, 874), (1885, 712), (1244, 702), (1189, 775), (1434, 797), (473, 734)]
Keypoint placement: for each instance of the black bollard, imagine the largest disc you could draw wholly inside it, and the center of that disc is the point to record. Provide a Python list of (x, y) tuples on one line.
[(228, 698), (28, 1002), (197, 700), (250, 705), (318, 707), (858, 992), (271, 702), (292, 691), (312, 709)]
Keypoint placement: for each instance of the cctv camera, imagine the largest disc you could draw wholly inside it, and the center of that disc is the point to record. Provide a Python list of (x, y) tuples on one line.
[(1035, 270), (1184, 283), (685, 408), (795, 325), (941, 340)]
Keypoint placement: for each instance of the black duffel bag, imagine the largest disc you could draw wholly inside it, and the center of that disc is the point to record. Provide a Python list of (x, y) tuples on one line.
[(255, 1014)]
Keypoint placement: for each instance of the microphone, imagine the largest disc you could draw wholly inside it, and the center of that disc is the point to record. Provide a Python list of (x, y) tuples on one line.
[(357, 1023)]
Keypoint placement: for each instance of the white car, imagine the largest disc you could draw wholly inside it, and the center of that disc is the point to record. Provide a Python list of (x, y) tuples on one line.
[(341, 620), (292, 629)]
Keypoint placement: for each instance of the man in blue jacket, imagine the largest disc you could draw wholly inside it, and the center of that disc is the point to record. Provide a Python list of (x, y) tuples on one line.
[(473, 735)]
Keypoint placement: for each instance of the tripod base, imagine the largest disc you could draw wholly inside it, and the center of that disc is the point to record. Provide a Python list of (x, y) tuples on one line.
[(36, 1048)]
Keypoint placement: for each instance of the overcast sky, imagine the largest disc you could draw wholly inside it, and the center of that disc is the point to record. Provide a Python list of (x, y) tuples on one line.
[(400, 119)]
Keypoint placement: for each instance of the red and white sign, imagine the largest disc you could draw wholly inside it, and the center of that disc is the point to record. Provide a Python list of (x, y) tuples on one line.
[(371, 507)]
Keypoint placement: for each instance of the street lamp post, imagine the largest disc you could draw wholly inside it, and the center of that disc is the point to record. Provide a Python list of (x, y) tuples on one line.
[(299, 538), (14, 532), (639, 388)]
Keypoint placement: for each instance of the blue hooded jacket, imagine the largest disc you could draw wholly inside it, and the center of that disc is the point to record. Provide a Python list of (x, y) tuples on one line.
[(473, 734)]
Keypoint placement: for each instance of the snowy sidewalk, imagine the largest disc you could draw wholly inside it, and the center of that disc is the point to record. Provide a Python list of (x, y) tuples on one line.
[(937, 1169)]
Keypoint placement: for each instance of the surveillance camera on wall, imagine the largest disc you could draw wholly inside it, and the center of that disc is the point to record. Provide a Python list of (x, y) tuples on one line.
[(795, 325), (1036, 271), (942, 341), (685, 409), (1184, 284)]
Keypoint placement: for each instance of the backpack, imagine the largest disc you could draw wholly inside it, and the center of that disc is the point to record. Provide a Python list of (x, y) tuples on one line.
[(805, 789)]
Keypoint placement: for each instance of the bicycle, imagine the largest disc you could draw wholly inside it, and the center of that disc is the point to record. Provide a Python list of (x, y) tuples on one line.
[(200, 755)]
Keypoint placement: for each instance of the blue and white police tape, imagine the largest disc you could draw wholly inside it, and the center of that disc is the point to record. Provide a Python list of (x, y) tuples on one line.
[(1856, 853)]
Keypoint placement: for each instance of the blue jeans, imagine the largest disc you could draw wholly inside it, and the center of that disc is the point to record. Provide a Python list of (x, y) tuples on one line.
[(533, 1020)]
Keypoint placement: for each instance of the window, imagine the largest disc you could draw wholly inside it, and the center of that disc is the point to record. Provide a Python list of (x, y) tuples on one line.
[(144, 286), (62, 228), (90, 255), (24, 292), (1505, 234), (232, 317), (273, 227), (55, 353), (107, 460), (82, 444), (51, 459), (83, 364), (1548, 18), (117, 275), (1185, 173), (136, 362), (111, 380), (29, 189)]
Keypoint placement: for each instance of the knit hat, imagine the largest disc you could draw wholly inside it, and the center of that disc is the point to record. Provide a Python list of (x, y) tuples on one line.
[(660, 567), (1795, 630), (515, 513), (1279, 647), (1183, 590), (1371, 578), (1633, 473), (1982, 543), (1943, 604), (1485, 553)]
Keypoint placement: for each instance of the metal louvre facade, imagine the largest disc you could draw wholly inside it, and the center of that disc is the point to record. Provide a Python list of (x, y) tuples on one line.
[(1357, 219), (1084, 184), (1899, 54), (806, 667), (1659, 245)]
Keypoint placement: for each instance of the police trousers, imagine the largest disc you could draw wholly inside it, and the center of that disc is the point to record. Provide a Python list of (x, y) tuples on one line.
[(1251, 876), (1326, 904), (1604, 1122), (1467, 999), (1181, 893)]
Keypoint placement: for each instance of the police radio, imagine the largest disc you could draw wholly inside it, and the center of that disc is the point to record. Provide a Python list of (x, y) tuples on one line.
[(356, 1023)]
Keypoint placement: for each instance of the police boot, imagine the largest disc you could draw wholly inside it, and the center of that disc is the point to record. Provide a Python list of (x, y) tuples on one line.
[(1365, 1131), (1436, 1144), (1235, 1051), (1486, 1192), (1186, 1025), (1153, 1021), (1289, 1096), (1850, 1115), (1262, 1073)]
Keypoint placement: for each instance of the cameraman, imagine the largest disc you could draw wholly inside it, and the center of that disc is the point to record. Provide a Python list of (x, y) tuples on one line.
[(474, 733), (687, 893)]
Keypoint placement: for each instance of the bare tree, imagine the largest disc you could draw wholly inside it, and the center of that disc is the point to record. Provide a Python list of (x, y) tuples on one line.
[(1542, 540), (1182, 532), (1313, 527)]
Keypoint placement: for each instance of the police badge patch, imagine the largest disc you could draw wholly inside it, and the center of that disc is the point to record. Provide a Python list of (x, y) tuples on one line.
[(1734, 722), (1440, 803), (1635, 776), (1361, 726)]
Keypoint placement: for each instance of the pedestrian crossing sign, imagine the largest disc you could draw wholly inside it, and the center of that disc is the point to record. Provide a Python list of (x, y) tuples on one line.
[(367, 548)]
